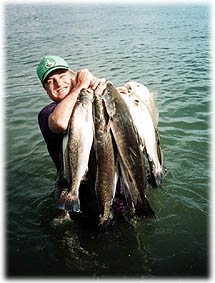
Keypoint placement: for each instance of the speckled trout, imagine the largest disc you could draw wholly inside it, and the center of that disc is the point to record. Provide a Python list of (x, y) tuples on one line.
[(145, 116), (127, 141), (76, 150), (106, 174)]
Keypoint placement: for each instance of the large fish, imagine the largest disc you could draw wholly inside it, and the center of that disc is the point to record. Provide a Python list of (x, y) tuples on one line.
[(140, 92), (145, 116), (106, 175), (76, 150), (126, 138)]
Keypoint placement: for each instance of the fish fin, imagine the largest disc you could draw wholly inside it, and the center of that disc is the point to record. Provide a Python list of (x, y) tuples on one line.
[(144, 210)]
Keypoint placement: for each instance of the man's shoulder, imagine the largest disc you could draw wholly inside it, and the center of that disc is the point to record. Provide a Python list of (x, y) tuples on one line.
[(47, 109), (44, 115)]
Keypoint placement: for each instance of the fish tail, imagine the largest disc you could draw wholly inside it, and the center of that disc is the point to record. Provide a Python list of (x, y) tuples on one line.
[(144, 210), (68, 202)]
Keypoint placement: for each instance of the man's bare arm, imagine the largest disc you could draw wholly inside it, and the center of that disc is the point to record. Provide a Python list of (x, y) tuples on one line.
[(59, 119)]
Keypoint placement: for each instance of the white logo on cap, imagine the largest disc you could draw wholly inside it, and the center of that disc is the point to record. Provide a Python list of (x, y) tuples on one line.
[(50, 63)]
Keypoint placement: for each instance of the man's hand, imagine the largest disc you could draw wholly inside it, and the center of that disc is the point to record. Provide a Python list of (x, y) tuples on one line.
[(101, 87), (83, 78), (95, 82)]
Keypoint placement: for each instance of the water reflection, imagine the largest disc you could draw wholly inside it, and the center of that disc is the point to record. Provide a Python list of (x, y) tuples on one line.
[(86, 251)]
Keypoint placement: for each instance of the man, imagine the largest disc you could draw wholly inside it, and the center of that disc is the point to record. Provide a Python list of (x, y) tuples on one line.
[(64, 87)]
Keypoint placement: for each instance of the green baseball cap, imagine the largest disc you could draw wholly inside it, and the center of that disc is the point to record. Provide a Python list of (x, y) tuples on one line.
[(49, 64)]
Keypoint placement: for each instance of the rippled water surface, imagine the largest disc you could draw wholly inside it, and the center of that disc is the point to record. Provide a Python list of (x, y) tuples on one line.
[(167, 48)]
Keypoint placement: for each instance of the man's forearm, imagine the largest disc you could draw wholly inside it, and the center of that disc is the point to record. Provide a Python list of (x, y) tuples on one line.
[(59, 119)]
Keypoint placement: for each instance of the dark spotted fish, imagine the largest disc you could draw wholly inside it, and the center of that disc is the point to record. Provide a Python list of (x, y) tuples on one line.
[(128, 145), (106, 175)]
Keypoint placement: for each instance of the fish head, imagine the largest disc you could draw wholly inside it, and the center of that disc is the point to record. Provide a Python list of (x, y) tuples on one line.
[(109, 99), (88, 93), (86, 98), (131, 87), (138, 89)]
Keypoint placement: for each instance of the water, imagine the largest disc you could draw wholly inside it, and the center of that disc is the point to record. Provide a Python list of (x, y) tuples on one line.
[(168, 49)]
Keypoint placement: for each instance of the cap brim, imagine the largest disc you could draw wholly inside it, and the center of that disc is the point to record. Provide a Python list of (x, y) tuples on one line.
[(53, 69)]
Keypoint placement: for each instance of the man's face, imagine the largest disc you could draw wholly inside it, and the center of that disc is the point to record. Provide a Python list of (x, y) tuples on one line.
[(59, 84)]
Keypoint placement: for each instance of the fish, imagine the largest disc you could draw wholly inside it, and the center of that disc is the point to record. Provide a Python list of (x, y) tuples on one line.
[(145, 117), (106, 173), (148, 98), (140, 92), (77, 145), (127, 141)]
